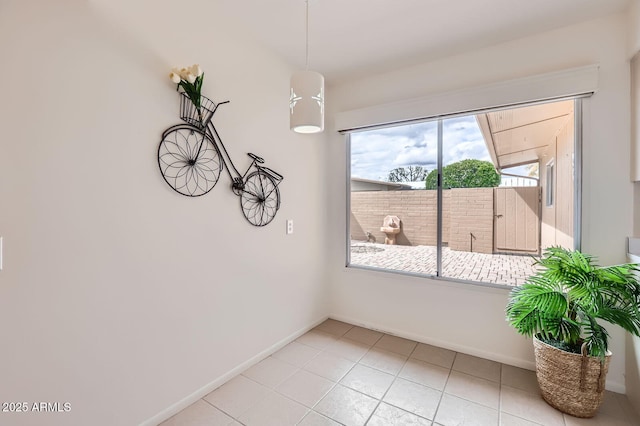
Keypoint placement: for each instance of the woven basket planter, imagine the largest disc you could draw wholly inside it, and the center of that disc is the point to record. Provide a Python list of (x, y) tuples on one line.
[(572, 383)]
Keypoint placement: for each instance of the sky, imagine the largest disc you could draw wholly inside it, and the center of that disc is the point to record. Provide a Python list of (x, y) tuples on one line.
[(375, 153)]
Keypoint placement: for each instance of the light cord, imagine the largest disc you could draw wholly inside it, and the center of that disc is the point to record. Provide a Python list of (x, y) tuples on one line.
[(307, 38)]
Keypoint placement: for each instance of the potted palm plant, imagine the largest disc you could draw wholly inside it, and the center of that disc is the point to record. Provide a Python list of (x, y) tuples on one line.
[(562, 306)]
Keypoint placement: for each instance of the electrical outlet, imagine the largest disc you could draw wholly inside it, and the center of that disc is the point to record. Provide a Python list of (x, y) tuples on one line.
[(289, 226)]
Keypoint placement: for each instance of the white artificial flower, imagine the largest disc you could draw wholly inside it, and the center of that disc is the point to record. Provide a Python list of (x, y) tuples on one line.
[(184, 72), (196, 70), (174, 77), (191, 78)]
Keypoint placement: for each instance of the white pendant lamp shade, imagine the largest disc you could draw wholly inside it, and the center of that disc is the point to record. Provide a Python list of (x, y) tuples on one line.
[(306, 102), (306, 96)]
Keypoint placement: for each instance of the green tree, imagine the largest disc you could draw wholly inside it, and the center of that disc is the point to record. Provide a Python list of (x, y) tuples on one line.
[(465, 174), (407, 174)]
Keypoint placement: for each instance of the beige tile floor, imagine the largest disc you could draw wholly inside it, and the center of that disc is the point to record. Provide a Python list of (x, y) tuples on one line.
[(339, 374)]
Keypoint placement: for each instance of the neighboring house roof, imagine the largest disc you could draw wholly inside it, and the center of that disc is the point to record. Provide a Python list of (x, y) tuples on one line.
[(521, 135), (415, 185), (359, 184)]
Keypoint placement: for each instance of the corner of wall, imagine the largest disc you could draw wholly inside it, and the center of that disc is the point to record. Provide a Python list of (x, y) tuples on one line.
[(632, 373), (634, 28)]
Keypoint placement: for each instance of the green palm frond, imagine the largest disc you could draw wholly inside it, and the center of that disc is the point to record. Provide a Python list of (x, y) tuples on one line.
[(626, 316), (596, 338), (569, 331), (536, 307), (567, 296)]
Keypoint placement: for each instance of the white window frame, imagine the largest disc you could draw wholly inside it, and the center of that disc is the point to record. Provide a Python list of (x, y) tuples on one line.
[(571, 83), (550, 183), (577, 191)]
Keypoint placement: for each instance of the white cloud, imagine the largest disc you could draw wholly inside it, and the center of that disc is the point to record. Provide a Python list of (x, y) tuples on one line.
[(375, 153)]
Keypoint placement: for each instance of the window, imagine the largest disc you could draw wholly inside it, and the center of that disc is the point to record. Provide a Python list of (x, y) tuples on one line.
[(460, 197), (550, 184)]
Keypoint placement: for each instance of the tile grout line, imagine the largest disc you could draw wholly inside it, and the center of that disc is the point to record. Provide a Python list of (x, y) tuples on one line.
[(354, 366), (392, 382), (535, 422), (345, 375), (323, 350), (272, 389), (358, 363), (221, 410), (500, 395), (443, 388), (500, 412), (335, 384), (395, 377)]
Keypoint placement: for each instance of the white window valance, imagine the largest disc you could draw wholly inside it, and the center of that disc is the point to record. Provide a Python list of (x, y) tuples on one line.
[(572, 82)]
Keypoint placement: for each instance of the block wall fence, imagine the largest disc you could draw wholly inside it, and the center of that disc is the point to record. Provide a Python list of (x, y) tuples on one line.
[(467, 215)]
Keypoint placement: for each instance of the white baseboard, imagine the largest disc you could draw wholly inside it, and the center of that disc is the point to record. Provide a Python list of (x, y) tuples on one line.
[(517, 362), (203, 391), (616, 387), (612, 386)]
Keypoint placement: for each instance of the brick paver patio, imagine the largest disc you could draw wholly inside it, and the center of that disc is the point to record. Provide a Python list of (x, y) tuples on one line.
[(504, 269)]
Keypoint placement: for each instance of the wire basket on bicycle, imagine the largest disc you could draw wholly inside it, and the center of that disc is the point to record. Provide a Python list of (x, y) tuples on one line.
[(194, 116)]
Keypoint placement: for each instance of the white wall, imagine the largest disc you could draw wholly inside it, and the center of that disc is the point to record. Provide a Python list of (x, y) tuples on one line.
[(471, 318), (119, 295), (633, 20), (633, 343), (633, 371)]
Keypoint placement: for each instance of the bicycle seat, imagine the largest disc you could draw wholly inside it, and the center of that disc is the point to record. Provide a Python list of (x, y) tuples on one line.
[(255, 157)]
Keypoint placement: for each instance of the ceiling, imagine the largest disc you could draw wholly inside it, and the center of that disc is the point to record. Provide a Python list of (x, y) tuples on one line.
[(522, 135), (349, 38), (352, 38)]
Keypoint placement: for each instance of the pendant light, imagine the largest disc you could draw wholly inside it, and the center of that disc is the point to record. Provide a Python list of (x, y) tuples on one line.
[(306, 99)]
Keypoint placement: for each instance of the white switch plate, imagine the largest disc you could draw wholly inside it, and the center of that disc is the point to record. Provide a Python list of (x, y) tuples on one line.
[(289, 226)]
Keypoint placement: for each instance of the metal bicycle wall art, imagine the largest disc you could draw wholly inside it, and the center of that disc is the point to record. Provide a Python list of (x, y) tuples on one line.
[(192, 156)]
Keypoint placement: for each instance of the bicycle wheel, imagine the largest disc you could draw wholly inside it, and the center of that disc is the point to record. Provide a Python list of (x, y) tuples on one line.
[(189, 160), (260, 198)]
